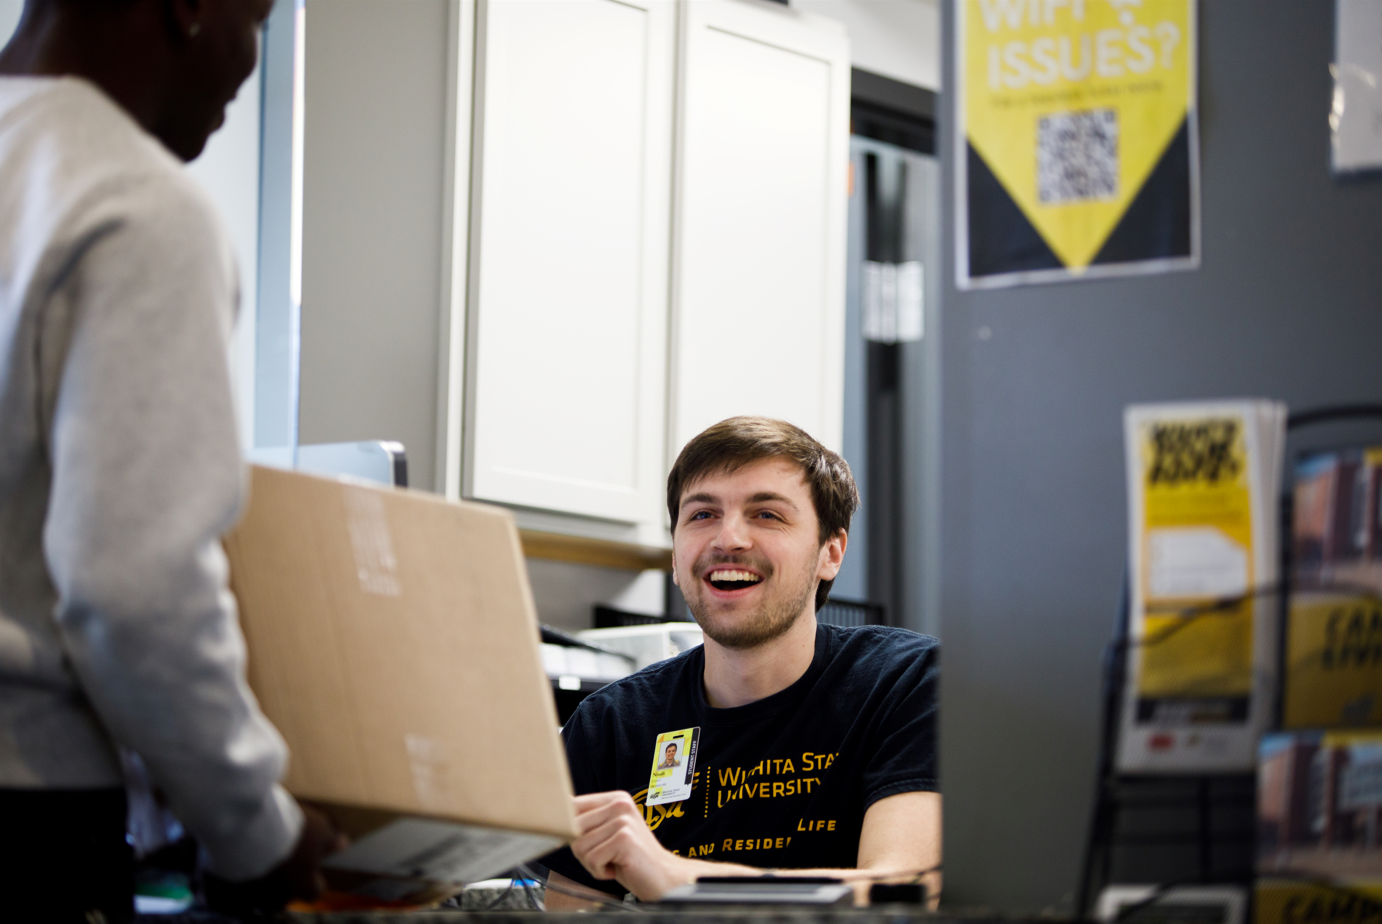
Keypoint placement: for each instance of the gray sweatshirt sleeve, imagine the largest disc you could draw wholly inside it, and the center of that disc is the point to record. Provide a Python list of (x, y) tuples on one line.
[(147, 475)]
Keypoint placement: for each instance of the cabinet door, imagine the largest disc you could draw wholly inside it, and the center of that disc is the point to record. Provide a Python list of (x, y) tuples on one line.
[(759, 249), (570, 233)]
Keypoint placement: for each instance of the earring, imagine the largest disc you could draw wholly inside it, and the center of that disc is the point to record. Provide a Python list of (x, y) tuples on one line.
[(194, 30)]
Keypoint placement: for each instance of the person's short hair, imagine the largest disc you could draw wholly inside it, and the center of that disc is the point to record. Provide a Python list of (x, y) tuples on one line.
[(731, 444)]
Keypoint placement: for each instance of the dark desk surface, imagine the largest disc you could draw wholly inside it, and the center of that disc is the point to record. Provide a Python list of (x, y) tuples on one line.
[(645, 914)]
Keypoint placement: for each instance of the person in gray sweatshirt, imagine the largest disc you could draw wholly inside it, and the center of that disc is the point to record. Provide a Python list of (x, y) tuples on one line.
[(120, 466)]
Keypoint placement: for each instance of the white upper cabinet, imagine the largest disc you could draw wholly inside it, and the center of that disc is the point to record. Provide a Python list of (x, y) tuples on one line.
[(651, 182), (759, 241), (570, 225)]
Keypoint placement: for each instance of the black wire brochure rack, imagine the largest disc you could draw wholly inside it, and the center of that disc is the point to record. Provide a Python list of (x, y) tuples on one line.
[(1159, 829), (1183, 828)]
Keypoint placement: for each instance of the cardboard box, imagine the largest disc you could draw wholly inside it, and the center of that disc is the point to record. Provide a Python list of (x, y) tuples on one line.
[(394, 643)]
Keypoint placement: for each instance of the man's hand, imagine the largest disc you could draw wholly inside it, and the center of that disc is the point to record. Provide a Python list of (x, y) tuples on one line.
[(615, 843), (297, 877)]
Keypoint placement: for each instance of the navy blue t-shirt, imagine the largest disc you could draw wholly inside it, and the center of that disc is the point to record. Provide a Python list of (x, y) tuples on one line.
[(783, 782)]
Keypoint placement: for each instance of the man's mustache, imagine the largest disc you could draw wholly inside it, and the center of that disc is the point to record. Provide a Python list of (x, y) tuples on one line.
[(705, 563)]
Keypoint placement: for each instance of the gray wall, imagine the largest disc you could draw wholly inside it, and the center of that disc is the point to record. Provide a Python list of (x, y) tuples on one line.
[(1031, 503), (372, 224)]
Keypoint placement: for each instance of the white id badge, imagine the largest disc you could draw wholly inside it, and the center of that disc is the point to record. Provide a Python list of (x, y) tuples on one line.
[(674, 766)]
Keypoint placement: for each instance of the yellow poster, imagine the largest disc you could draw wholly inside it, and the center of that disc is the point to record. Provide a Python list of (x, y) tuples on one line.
[(1076, 147)]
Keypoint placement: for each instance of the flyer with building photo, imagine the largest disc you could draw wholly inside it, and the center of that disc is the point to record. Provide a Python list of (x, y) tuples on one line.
[(1319, 827), (1333, 656), (1202, 487), (1076, 145)]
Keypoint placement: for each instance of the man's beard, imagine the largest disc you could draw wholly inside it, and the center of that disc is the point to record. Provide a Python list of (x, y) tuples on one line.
[(748, 630)]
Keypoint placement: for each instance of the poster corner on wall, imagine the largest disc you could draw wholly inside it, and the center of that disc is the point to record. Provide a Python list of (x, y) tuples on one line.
[(1076, 142)]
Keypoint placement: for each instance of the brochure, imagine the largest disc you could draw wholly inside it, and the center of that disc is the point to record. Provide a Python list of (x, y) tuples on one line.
[(1333, 657), (1203, 478), (1319, 807)]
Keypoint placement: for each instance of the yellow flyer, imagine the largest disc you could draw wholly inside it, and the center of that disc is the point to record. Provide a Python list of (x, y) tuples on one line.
[(674, 766), (1076, 139), (1202, 488), (1333, 660), (1197, 546)]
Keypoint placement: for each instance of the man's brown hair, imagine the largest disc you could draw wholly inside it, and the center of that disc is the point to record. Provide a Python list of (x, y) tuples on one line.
[(731, 444)]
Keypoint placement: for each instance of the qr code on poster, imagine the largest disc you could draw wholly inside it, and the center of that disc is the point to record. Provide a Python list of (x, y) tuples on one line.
[(1077, 156)]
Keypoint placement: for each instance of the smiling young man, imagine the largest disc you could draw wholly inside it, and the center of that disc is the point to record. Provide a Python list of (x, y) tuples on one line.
[(812, 746)]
